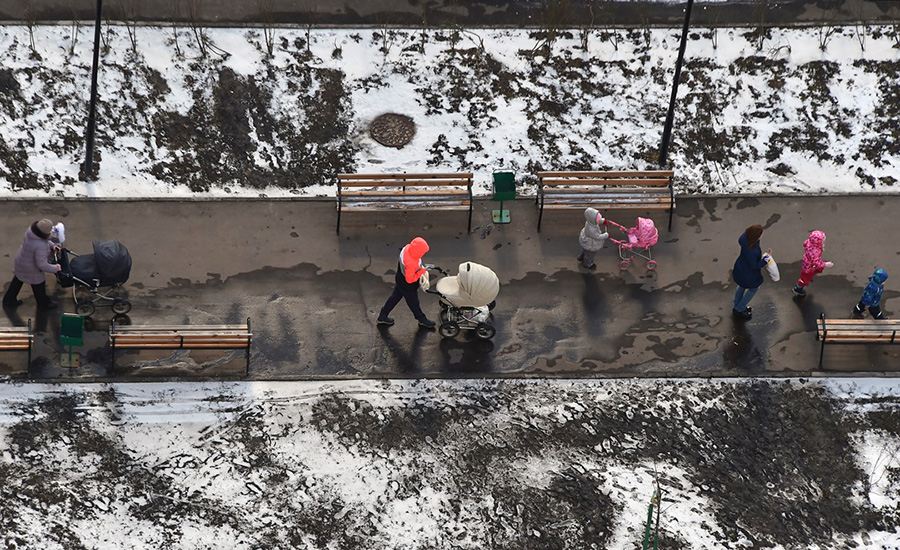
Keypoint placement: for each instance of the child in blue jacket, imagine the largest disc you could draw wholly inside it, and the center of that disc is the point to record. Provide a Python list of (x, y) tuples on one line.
[(871, 297)]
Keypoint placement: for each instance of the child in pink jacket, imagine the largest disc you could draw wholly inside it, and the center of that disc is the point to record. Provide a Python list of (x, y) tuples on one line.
[(812, 261)]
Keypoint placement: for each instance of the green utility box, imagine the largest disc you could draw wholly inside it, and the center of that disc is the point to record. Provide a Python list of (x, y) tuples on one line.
[(504, 190), (71, 333)]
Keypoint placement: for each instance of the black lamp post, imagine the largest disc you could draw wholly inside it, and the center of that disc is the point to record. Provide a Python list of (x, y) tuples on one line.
[(670, 116), (92, 110)]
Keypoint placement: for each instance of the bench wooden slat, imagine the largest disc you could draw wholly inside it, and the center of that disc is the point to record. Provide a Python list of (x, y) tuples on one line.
[(582, 199), (176, 336), (604, 182), (451, 175), (455, 193), (407, 183), (176, 330), (609, 206), (180, 328), (176, 339), (615, 192), (169, 347), (375, 207), (857, 337), (608, 174)]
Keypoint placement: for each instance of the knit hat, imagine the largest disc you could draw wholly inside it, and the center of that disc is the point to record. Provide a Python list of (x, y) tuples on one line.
[(42, 228)]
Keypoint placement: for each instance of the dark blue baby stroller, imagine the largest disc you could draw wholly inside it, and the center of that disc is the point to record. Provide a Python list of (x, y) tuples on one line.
[(109, 266)]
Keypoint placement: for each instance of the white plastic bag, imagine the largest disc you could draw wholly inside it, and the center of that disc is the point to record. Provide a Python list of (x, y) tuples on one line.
[(58, 234), (771, 267), (424, 281)]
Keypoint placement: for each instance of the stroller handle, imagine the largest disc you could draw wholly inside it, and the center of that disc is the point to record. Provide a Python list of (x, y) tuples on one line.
[(614, 224), (440, 270)]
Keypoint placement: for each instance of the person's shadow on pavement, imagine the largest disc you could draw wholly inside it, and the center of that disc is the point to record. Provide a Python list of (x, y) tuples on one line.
[(809, 310), (594, 302), (407, 361), (740, 352)]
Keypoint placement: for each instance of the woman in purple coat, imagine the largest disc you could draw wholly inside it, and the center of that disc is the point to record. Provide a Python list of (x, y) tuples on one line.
[(32, 262), (747, 272)]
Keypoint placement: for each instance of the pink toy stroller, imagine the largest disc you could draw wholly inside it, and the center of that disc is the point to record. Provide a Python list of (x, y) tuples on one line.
[(638, 241)]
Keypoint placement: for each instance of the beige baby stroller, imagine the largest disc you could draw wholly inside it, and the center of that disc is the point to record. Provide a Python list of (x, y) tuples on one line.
[(467, 300)]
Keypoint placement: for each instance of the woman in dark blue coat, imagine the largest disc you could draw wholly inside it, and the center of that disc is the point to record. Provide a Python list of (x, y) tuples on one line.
[(747, 271)]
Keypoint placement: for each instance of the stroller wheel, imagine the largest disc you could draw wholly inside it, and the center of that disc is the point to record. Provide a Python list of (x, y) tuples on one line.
[(624, 265), (85, 309), (651, 265), (485, 331), (121, 307), (448, 329)]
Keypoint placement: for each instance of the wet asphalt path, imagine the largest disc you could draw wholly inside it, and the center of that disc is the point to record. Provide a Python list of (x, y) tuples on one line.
[(313, 296), (476, 13)]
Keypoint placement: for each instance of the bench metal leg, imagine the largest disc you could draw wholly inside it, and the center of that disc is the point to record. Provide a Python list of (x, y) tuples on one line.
[(30, 345), (824, 337), (671, 211), (249, 343), (540, 214), (470, 215)]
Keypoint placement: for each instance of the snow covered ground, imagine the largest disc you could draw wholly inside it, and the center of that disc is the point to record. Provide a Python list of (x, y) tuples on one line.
[(450, 464), (789, 110)]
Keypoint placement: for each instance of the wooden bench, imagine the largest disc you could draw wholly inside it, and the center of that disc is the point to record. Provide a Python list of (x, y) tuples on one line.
[(629, 190), (173, 337), (855, 331), (374, 192), (17, 339)]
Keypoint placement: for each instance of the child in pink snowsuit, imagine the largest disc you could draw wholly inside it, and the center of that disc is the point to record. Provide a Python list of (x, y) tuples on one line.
[(812, 261)]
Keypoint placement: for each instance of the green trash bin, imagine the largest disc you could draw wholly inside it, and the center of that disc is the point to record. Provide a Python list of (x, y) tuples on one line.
[(504, 190), (71, 333)]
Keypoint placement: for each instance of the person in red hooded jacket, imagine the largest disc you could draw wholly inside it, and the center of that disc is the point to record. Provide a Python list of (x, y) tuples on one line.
[(409, 269)]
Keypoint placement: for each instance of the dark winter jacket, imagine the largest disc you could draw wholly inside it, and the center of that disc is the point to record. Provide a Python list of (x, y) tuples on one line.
[(872, 294), (747, 268), (32, 258)]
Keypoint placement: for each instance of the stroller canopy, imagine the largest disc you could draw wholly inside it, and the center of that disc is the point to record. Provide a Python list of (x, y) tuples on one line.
[(475, 286), (644, 234), (110, 264)]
